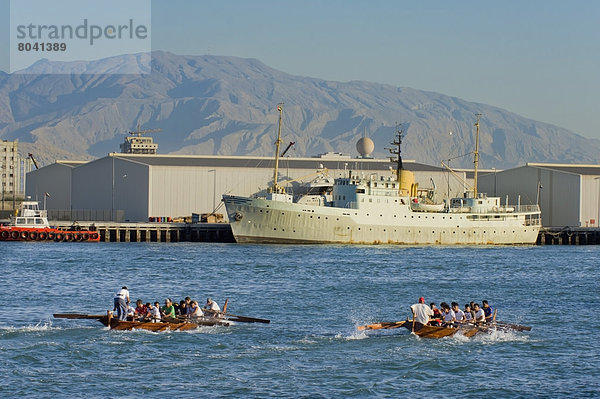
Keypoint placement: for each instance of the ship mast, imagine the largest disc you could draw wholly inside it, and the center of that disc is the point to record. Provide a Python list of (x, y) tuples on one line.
[(476, 156), (276, 188), (397, 143)]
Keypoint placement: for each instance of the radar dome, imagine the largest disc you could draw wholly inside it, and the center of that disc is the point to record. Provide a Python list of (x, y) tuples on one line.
[(365, 147)]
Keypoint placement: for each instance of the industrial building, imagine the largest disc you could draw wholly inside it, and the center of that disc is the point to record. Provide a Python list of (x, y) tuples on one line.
[(142, 187), (13, 171), (568, 195)]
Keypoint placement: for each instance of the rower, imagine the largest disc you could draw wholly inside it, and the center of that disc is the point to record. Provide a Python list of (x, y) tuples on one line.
[(182, 309), (212, 306), (188, 304), (449, 315), (168, 311), (421, 314), (469, 314), (140, 309), (488, 311), (436, 320), (154, 312), (194, 311), (479, 314), (459, 314)]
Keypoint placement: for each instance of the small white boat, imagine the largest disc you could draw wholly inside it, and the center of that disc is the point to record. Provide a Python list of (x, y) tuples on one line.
[(31, 224), (420, 205)]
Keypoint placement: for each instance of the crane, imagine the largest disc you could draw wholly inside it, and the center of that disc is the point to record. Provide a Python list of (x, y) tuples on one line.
[(30, 156), (287, 148), (140, 132)]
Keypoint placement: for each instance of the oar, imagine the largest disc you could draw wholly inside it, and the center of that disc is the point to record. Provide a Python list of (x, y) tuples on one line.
[(243, 319), (225, 305), (383, 325)]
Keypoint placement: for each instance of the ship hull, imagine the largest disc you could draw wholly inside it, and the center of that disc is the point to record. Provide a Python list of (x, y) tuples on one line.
[(256, 220)]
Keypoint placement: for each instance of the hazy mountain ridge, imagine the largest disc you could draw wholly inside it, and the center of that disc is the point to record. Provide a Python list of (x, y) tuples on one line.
[(227, 106)]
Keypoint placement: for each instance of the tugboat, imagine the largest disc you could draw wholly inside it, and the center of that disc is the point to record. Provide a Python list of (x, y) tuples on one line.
[(31, 224)]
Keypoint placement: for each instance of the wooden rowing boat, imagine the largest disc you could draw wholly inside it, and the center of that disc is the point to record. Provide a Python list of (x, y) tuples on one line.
[(468, 330), (427, 331), (179, 324)]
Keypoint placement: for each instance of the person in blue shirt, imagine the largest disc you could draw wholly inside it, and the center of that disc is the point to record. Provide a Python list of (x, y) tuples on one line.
[(488, 311)]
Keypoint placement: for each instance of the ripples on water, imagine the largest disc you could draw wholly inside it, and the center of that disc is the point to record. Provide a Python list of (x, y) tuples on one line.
[(315, 297)]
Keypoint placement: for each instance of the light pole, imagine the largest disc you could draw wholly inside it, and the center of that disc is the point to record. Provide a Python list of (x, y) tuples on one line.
[(14, 184), (450, 133)]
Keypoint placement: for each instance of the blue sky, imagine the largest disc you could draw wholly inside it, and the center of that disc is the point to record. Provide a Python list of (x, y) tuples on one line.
[(538, 58)]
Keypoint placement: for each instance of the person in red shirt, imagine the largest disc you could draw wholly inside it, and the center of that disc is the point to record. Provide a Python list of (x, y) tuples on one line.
[(141, 310), (436, 320)]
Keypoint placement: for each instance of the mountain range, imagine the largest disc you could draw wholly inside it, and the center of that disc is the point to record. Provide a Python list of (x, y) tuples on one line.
[(217, 105)]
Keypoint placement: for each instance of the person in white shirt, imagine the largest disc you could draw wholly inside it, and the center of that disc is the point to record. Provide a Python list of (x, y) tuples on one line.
[(154, 312), (468, 313), (212, 305), (130, 312), (421, 314), (195, 312), (449, 315), (479, 314), (121, 302), (459, 314)]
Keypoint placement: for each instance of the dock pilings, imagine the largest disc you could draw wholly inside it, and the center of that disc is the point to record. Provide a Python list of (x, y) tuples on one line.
[(568, 236)]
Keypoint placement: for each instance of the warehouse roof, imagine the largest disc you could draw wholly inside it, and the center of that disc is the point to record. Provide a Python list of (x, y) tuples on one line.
[(268, 162), (574, 168)]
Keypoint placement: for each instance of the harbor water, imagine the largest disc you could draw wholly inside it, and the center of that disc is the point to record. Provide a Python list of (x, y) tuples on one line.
[(315, 297)]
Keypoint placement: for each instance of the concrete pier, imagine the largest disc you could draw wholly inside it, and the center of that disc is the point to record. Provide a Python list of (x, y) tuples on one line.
[(159, 232)]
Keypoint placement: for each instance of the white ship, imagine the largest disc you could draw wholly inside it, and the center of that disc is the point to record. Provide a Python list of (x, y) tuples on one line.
[(367, 210)]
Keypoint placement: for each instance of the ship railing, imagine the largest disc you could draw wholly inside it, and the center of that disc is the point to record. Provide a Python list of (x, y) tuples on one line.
[(498, 209), (512, 209), (526, 208)]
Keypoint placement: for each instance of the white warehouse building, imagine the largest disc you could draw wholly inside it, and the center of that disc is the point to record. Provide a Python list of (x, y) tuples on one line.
[(568, 195), (136, 187)]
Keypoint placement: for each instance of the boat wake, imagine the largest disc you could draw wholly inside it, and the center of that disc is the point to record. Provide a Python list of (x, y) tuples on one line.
[(501, 336), (42, 326), (490, 337), (355, 335)]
